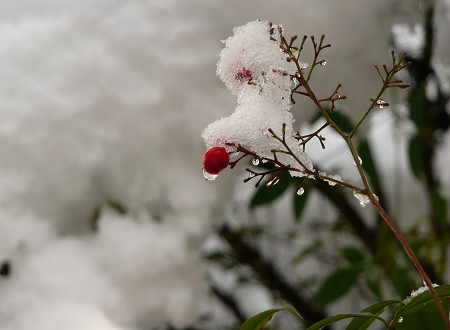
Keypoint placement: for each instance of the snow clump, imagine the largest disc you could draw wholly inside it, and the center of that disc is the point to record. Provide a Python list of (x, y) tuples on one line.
[(418, 292), (254, 68)]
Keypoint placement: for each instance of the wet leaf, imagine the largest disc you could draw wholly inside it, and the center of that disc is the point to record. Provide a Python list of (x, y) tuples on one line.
[(361, 323), (421, 312)]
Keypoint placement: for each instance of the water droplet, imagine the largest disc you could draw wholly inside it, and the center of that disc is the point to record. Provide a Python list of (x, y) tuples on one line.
[(300, 191), (272, 181), (209, 176), (359, 160), (362, 199), (333, 176), (303, 65), (255, 161), (264, 161), (381, 103), (323, 63), (251, 175), (400, 320)]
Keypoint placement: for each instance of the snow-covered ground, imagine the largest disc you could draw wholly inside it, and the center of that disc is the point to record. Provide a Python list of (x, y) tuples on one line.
[(105, 100)]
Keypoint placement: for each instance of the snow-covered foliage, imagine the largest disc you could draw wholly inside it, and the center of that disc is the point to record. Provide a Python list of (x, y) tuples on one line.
[(254, 68)]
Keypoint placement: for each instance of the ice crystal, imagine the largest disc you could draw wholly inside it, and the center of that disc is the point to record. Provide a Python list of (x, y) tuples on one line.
[(362, 199)]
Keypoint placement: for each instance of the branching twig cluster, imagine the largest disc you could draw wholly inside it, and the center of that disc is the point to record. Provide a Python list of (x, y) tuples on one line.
[(302, 79), (377, 102)]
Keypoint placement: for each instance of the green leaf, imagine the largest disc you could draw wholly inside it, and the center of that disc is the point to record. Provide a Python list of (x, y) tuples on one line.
[(403, 282), (333, 319), (336, 285), (421, 312), (266, 195), (368, 164), (373, 285), (258, 321), (376, 309), (443, 292), (117, 206), (215, 256), (417, 244), (342, 121), (417, 102), (415, 157), (353, 255), (439, 205), (300, 203), (425, 316)]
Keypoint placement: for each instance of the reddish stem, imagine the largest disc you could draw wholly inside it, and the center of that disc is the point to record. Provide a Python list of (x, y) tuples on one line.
[(412, 256)]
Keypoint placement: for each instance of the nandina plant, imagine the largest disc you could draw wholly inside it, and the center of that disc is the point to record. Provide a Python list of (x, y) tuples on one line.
[(267, 72)]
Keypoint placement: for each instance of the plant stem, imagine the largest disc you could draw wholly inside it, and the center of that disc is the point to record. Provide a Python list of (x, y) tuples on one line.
[(367, 191), (411, 255)]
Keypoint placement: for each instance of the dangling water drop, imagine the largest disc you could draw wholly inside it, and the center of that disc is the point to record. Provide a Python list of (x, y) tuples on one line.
[(362, 199), (255, 161), (400, 320), (359, 160), (272, 181), (264, 161), (323, 63), (300, 191), (209, 176), (333, 176), (303, 65), (381, 103)]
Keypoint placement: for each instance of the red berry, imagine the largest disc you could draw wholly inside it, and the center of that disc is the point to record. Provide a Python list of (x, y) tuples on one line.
[(215, 160)]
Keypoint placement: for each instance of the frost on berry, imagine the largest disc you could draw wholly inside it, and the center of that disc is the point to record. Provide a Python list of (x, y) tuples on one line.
[(215, 160)]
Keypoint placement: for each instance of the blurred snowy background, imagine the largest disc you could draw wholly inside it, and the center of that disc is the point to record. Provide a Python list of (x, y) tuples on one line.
[(103, 207)]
